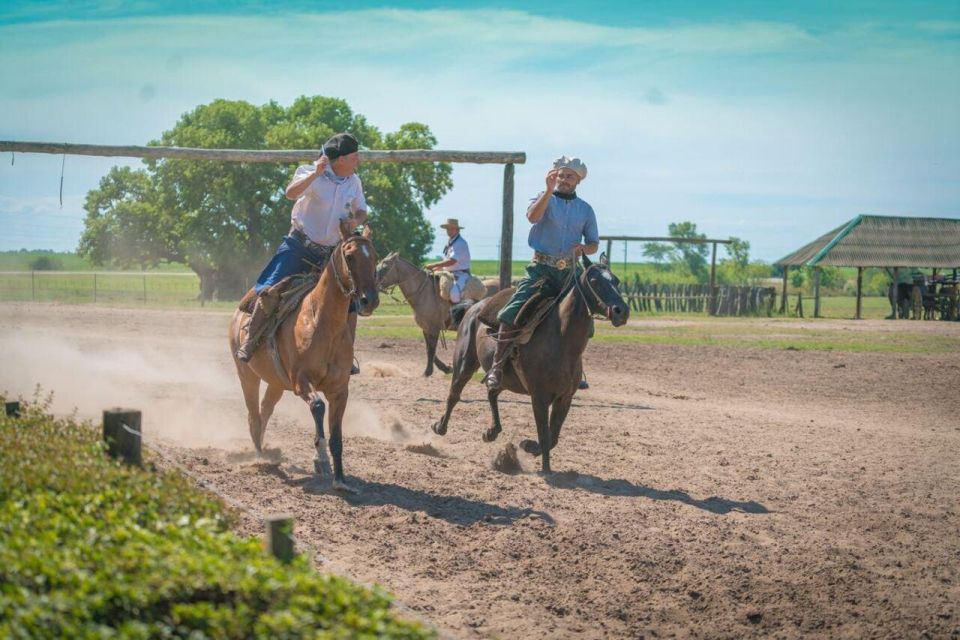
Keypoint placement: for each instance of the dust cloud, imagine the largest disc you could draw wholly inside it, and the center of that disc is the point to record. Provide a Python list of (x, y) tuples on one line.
[(182, 399)]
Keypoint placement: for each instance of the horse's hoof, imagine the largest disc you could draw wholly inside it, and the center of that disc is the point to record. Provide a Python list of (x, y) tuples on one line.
[(321, 466), (342, 487), (439, 428), (427, 374), (491, 434), (531, 446)]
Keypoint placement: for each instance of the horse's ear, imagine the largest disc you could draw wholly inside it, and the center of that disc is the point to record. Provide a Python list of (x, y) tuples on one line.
[(604, 261), (344, 229), (367, 233), (586, 261)]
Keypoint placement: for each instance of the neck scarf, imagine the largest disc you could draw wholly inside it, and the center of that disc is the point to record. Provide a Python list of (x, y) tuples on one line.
[(565, 196)]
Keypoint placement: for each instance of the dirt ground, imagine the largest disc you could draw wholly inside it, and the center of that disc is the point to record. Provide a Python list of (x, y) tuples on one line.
[(709, 492)]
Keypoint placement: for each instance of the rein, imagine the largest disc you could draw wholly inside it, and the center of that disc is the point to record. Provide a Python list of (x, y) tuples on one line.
[(337, 275), (416, 272), (607, 311)]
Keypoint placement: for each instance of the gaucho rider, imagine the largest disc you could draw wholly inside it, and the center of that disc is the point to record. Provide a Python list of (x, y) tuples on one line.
[(456, 260), (560, 221), (325, 192)]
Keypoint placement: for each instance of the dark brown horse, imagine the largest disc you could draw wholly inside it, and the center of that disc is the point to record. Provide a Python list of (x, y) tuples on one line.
[(550, 363), (314, 349)]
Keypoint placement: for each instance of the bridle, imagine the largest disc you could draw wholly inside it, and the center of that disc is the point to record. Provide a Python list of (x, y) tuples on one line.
[(338, 276), (416, 272), (607, 309)]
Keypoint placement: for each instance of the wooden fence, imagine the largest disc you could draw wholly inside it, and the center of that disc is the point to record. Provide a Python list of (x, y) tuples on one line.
[(695, 298)]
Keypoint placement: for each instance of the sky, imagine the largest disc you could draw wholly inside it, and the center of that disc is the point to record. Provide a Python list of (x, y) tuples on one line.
[(771, 122)]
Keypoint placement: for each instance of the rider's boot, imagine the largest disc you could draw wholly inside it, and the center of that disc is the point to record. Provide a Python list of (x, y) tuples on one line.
[(505, 337), (263, 311)]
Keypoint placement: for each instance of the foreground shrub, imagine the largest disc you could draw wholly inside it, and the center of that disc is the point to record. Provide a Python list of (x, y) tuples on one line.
[(93, 549)]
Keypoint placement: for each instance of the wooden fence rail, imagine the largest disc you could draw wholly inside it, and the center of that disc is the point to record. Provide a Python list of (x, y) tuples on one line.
[(696, 298)]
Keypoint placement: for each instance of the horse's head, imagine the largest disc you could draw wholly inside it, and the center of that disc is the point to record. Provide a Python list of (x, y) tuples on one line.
[(387, 272), (601, 291), (357, 275)]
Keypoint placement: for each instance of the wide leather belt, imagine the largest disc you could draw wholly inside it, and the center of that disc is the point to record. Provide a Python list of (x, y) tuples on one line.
[(299, 235), (557, 262)]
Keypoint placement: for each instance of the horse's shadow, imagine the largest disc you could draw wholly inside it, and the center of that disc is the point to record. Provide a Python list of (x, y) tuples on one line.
[(453, 509), (626, 489)]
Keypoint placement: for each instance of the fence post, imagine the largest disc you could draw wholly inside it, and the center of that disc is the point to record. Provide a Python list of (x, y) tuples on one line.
[(94, 287), (506, 231), (144, 288), (33, 286), (278, 537), (13, 409), (120, 442), (713, 281)]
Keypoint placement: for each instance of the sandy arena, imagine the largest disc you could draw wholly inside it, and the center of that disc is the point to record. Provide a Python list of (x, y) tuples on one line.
[(701, 491)]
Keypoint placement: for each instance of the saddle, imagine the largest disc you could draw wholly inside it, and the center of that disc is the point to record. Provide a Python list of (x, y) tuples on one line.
[(528, 319)]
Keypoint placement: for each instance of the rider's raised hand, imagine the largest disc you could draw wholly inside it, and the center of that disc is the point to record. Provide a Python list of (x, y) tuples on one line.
[(321, 164), (552, 180)]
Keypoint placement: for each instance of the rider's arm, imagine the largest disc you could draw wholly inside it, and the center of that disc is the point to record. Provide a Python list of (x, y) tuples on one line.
[(303, 179), (443, 264), (591, 236), (538, 207)]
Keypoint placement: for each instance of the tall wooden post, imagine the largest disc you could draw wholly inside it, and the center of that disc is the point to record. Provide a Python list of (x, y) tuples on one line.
[(506, 229), (713, 281), (859, 289), (783, 298), (278, 537), (609, 248), (117, 425), (816, 292), (894, 303)]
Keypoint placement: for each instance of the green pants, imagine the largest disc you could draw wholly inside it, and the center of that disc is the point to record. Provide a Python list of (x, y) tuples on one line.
[(540, 277)]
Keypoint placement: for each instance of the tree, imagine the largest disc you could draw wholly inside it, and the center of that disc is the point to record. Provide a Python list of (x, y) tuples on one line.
[(223, 219), (692, 255)]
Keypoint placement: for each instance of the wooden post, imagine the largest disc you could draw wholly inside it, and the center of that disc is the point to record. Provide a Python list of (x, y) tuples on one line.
[(894, 303), (816, 292), (144, 288), (609, 248), (117, 424), (800, 304), (13, 409), (783, 297), (713, 281), (506, 229), (859, 290), (33, 286), (278, 537), (94, 287)]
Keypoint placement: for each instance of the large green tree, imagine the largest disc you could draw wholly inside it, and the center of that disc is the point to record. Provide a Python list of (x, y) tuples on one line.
[(223, 219)]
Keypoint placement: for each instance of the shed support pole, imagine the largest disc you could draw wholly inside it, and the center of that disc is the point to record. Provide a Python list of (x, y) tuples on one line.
[(859, 289), (506, 230), (894, 303), (816, 292), (783, 298), (713, 281)]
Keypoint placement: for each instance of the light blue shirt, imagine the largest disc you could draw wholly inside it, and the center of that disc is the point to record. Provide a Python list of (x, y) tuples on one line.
[(459, 251), (564, 224)]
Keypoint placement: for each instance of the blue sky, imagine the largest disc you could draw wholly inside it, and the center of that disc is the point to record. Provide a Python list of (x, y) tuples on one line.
[(773, 122)]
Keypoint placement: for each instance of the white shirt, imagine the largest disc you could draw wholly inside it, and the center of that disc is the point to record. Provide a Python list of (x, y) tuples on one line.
[(328, 200), (459, 251)]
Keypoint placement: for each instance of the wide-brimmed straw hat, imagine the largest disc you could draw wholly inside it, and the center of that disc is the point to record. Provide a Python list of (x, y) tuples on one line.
[(451, 222), (573, 163)]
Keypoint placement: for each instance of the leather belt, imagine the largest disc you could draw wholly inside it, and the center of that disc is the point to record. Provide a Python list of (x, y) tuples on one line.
[(299, 235), (556, 262)]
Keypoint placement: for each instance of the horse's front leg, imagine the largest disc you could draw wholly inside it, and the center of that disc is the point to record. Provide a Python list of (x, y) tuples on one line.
[(558, 414), (431, 340), (541, 409), (338, 404), (321, 461), (495, 428)]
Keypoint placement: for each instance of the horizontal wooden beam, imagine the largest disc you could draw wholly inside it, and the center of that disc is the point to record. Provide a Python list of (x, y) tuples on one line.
[(665, 239), (262, 155)]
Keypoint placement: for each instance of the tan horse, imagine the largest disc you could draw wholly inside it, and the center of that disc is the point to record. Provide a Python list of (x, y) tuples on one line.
[(430, 311), (315, 349)]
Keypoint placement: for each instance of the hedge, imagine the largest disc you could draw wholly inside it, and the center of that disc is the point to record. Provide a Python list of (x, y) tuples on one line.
[(90, 548)]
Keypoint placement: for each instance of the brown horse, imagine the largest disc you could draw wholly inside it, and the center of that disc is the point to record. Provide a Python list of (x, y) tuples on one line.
[(550, 363), (315, 350), (430, 311)]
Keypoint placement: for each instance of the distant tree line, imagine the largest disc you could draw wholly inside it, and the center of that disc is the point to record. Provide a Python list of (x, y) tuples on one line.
[(224, 219)]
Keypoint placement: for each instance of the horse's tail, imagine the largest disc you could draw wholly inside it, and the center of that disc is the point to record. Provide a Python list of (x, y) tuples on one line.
[(457, 312)]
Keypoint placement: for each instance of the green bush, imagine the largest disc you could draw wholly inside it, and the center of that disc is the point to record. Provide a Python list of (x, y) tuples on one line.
[(46, 263), (90, 548)]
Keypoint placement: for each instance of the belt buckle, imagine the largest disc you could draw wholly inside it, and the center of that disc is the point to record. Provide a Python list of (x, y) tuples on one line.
[(561, 264)]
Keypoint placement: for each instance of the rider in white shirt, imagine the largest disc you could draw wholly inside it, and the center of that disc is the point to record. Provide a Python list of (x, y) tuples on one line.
[(456, 259)]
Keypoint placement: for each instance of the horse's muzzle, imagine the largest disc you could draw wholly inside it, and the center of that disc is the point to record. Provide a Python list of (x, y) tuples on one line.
[(367, 302), (618, 314)]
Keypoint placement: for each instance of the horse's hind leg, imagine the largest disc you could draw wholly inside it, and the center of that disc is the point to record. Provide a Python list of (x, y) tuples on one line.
[(465, 364), (558, 414), (250, 384), (270, 399)]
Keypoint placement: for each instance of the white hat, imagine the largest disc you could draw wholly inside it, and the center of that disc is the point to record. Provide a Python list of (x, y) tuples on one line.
[(573, 163)]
